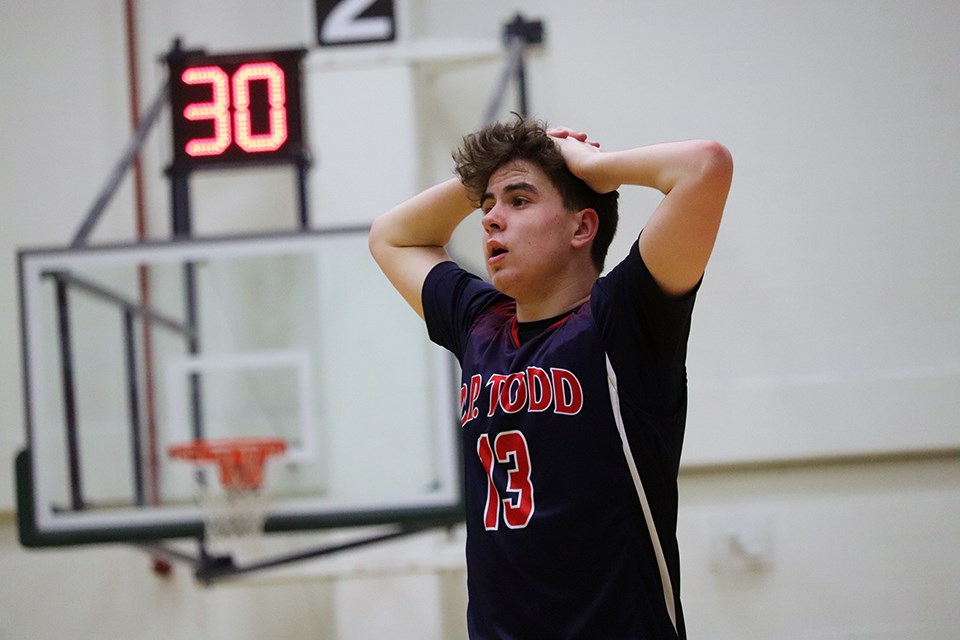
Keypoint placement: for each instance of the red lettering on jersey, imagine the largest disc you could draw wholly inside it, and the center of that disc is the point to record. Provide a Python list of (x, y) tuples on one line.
[(496, 384), (511, 448), (491, 511), (533, 389), (567, 392), (539, 389), (514, 402), (469, 411)]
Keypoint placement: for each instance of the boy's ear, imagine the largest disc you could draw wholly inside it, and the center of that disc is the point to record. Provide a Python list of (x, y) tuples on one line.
[(588, 222)]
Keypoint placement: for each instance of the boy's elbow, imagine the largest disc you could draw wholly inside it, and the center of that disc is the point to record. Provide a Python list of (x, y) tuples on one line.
[(716, 160), (376, 239)]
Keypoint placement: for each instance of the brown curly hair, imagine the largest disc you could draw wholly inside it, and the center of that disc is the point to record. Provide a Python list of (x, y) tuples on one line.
[(483, 152)]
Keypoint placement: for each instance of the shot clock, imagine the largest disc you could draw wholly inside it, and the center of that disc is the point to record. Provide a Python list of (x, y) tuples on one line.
[(236, 109)]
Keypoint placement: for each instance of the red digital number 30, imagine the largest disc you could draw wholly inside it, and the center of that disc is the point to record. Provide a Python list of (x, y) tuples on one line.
[(509, 448), (218, 109)]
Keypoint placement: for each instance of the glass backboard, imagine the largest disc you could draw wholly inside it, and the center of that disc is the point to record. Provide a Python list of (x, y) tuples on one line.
[(131, 349)]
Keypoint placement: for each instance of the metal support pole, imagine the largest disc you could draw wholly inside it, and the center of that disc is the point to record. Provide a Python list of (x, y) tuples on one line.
[(133, 404), (518, 35), (193, 346), (522, 33), (507, 75), (180, 202), (521, 87), (302, 167), (69, 397), (182, 229), (120, 169)]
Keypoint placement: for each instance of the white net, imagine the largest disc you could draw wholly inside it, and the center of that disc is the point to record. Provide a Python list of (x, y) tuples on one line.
[(234, 506), (232, 513)]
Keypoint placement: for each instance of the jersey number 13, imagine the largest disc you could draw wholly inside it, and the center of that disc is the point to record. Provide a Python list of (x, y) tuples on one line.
[(509, 450)]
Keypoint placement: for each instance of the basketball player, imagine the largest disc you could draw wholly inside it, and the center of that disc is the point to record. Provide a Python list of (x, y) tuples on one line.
[(573, 396)]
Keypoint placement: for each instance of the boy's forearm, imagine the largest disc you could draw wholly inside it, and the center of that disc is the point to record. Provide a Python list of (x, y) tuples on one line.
[(659, 166), (426, 220)]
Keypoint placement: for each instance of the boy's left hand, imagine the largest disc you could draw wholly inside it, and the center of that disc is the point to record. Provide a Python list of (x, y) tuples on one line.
[(580, 154)]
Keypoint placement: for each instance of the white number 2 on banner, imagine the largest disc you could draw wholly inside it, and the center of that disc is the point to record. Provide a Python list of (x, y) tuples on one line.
[(341, 22)]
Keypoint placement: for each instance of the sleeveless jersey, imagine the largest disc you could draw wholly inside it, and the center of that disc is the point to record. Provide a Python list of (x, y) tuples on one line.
[(571, 444)]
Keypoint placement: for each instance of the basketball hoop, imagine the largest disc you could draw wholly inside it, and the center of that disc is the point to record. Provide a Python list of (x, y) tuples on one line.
[(239, 509)]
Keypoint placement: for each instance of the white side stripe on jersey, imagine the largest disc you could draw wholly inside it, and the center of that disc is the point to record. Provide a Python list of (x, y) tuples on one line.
[(638, 485)]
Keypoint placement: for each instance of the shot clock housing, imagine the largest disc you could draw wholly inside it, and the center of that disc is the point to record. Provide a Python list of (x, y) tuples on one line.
[(236, 109)]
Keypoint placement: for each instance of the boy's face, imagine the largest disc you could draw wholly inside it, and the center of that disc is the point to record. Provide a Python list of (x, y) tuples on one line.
[(527, 232)]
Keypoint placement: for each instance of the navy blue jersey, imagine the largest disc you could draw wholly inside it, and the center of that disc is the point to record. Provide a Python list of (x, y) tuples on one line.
[(571, 435)]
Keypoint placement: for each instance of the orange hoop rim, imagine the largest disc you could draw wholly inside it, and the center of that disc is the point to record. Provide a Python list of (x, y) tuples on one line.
[(240, 460)]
